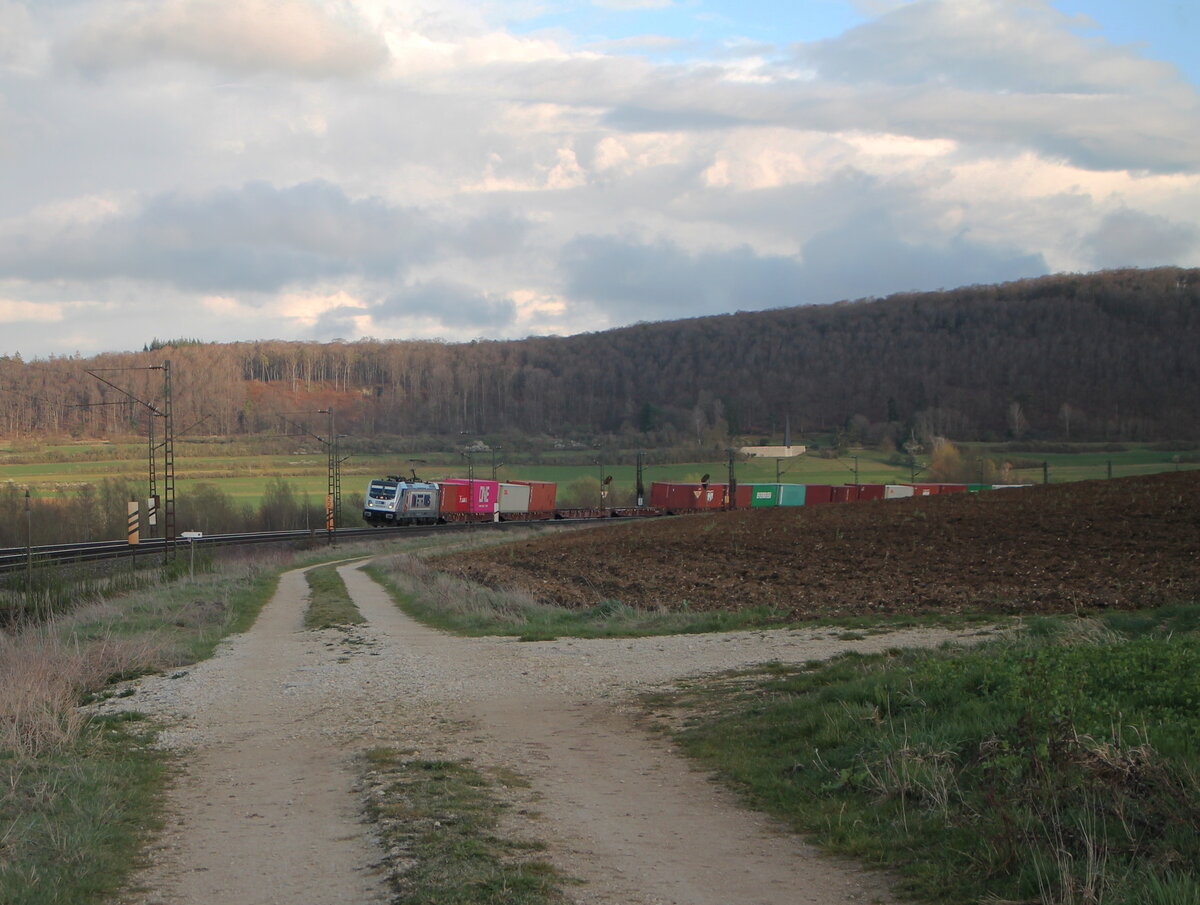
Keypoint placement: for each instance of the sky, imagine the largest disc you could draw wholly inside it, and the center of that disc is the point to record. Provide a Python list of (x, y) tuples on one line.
[(229, 170)]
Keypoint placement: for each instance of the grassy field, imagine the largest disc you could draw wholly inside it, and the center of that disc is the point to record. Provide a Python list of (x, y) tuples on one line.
[(1056, 765), (242, 473)]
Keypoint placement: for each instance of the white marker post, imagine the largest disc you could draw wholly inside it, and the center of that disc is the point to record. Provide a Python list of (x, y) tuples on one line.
[(190, 537)]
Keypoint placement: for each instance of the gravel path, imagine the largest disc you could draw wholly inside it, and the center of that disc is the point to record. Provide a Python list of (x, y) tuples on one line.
[(265, 809)]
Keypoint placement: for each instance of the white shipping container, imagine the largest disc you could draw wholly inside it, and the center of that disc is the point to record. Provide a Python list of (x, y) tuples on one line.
[(514, 497), (896, 491)]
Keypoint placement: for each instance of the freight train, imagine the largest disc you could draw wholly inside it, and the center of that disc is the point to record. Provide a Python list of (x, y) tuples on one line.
[(396, 501)]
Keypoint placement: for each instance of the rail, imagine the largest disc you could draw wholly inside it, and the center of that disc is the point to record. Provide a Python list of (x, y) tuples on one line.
[(13, 559)]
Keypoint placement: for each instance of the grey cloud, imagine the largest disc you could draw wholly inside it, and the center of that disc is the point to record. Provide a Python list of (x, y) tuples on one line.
[(644, 119), (864, 257), (257, 238), (869, 255), (987, 45), (497, 232), (16, 33), (249, 36), (633, 281), (1015, 78), (1129, 238), (451, 304)]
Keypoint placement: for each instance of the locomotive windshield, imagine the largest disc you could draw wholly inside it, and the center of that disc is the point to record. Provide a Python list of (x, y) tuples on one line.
[(382, 490)]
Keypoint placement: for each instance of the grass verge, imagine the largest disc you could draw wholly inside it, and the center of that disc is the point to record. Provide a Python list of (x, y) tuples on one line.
[(452, 604), (438, 821), (72, 823), (1060, 766), (329, 602), (458, 605)]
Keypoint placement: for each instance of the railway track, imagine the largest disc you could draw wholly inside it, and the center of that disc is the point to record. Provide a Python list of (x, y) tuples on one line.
[(13, 559)]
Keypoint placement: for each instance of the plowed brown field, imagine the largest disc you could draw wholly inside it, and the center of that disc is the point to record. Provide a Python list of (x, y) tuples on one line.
[(1125, 543)]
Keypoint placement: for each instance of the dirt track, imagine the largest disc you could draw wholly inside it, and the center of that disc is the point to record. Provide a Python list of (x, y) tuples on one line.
[(265, 809)]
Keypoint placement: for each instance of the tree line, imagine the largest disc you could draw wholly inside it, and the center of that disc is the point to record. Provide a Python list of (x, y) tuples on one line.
[(1103, 356)]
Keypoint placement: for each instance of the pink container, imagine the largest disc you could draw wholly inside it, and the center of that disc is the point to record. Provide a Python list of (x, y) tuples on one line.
[(482, 496)]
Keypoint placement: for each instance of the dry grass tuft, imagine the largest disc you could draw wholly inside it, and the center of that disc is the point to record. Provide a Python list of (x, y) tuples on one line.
[(44, 676)]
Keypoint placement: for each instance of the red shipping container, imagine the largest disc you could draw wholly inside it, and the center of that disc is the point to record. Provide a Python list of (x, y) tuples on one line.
[(817, 493), (868, 491), (670, 495), (952, 488), (455, 497), (842, 494), (743, 496), (926, 489), (483, 496), (542, 495)]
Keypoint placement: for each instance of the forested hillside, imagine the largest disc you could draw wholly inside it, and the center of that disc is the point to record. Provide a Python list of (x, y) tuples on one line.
[(1111, 355)]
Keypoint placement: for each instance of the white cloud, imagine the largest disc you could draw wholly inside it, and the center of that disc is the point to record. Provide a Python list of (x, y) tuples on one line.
[(311, 169), (634, 4), (287, 36), (19, 310)]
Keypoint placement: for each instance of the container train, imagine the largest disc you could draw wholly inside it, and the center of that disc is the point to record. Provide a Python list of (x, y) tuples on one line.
[(396, 501)]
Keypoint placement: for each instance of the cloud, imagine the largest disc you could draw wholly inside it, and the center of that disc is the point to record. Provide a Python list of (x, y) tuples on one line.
[(253, 238), (1004, 73), (983, 45), (629, 280), (634, 4), (16, 34), (1130, 238), (285, 36), (629, 118), (866, 256), (448, 303)]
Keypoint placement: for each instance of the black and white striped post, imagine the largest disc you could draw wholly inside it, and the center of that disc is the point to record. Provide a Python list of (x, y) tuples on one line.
[(133, 525)]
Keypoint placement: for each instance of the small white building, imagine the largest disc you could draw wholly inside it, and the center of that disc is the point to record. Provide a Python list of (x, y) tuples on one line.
[(773, 452)]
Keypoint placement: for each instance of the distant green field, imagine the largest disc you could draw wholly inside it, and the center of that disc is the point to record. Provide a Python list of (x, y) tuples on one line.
[(55, 469)]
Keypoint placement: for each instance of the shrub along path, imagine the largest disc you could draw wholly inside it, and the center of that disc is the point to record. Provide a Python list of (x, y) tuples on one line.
[(265, 809)]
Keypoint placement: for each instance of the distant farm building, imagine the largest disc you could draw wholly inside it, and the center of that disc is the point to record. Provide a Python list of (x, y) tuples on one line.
[(772, 452)]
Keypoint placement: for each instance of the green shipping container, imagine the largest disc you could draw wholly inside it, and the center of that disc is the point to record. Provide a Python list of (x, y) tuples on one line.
[(975, 488), (764, 495), (791, 494)]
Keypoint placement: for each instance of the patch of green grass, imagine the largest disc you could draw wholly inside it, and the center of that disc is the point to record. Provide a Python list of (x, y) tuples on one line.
[(1056, 767), (329, 602), (439, 822), (72, 824)]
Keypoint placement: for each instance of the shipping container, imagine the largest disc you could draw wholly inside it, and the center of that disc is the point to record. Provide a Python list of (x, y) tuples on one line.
[(816, 494), (765, 495), (541, 495), (743, 496), (840, 493), (975, 488), (867, 491), (514, 497), (792, 494), (483, 496), (897, 491), (669, 495), (925, 489), (952, 488), (455, 497)]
